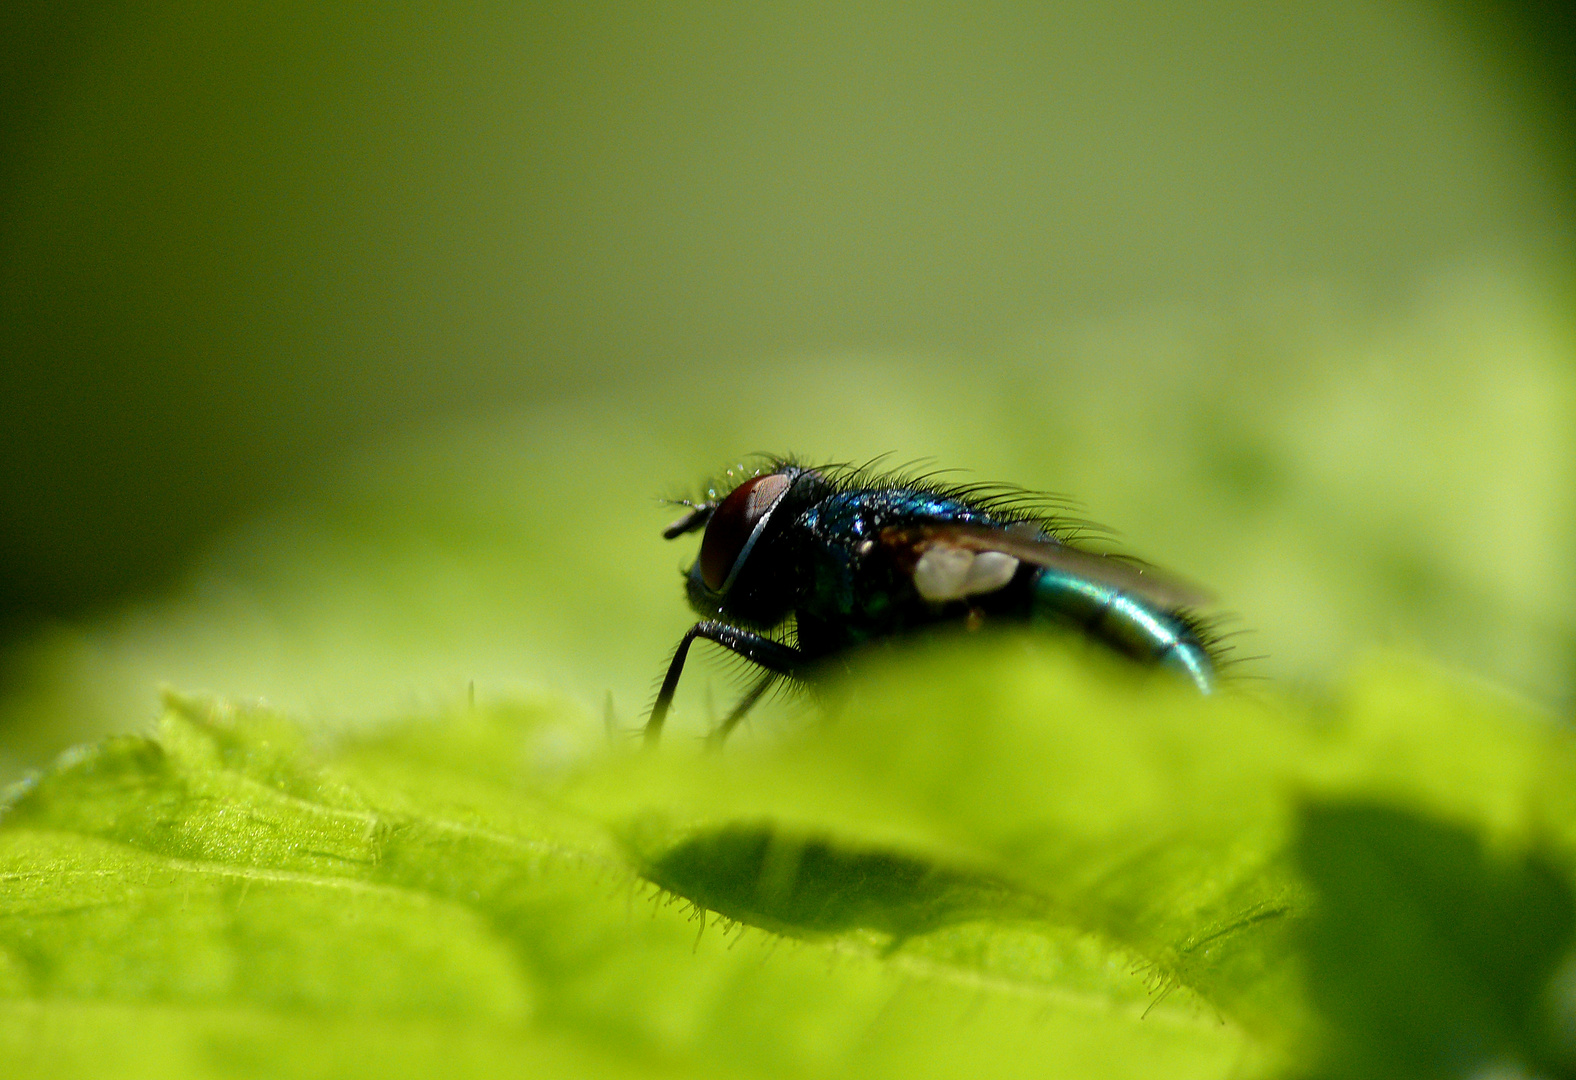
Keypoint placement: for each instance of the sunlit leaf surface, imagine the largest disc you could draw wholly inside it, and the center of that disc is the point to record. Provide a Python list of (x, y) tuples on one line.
[(1000, 863)]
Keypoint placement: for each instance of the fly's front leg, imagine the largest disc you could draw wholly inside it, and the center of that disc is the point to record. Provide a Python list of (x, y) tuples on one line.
[(774, 656)]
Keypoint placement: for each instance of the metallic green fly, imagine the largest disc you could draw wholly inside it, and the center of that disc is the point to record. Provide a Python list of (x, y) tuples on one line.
[(846, 556)]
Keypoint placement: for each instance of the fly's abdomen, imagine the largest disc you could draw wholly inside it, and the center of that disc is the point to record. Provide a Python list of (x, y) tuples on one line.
[(1126, 622)]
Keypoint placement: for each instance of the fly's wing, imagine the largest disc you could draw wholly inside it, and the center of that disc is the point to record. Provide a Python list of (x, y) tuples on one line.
[(1027, 542)]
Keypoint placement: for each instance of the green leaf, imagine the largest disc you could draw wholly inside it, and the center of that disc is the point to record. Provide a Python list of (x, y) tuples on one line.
[(984, 858)]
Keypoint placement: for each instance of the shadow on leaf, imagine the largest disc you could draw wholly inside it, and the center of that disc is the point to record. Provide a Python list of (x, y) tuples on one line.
[(1430, 954), (798, 885)]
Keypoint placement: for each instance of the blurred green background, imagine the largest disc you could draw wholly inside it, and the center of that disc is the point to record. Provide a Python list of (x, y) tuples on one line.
[(346, 350)]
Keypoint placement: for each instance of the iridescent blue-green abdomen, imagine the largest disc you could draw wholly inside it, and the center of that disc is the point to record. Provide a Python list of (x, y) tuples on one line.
[(1126, 622)]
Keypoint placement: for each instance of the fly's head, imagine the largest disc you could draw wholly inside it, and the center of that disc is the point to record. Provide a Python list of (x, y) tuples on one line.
[(733, 577)]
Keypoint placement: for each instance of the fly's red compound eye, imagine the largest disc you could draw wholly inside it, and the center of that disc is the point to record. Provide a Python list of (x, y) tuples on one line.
[(734, 525)]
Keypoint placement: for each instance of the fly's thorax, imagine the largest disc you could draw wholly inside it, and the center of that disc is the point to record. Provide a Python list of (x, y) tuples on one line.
[(855, 583)]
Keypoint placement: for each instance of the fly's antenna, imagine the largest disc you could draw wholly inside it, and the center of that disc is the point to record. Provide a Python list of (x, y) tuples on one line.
[(699, 514)]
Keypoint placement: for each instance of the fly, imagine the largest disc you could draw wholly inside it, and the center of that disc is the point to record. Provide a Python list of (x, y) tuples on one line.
[(846, 556)]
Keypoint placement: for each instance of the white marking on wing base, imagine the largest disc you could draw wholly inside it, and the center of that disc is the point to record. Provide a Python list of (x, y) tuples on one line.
[(952, 573), (991, 570)]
